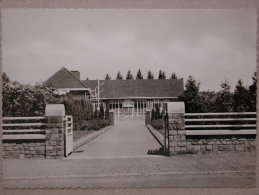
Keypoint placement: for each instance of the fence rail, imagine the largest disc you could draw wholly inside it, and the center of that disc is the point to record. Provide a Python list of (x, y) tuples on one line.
[(224, 123), (32, 130)]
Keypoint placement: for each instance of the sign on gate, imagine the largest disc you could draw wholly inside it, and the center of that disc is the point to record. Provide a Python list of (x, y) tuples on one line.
[(68, 135)]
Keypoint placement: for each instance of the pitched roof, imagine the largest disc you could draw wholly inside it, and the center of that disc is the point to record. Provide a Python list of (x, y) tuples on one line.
[(64, 79), (138, 88)]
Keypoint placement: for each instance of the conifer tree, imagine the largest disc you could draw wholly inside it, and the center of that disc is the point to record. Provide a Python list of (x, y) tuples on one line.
[(129, 75), (139, 75)]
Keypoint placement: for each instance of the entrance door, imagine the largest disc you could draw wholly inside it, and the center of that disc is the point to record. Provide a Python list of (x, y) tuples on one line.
[(68, 142)]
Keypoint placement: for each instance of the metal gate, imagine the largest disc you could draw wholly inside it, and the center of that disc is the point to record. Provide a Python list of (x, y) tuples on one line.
[(68, 142)]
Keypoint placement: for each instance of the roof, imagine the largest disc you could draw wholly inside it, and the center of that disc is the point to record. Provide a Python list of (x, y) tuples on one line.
[(138, 88), (64, 79)]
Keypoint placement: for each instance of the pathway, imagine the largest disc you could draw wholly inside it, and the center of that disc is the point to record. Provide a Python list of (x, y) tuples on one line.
[(127, 139)]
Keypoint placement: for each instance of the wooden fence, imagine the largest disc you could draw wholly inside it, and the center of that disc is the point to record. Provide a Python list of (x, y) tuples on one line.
[(235, 123), (24, 128)]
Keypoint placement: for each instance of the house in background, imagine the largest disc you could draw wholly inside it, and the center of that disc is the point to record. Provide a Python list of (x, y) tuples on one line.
[(129, 97)]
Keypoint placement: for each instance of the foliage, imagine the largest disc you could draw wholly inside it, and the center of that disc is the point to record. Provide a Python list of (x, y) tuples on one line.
[(161, 75), (81, 110), (157, 113), (157, 124), (26, 100), (107, 113), (129, 75), (93, 124), (139, 75), (150, 75), (224, 99), (96, 114), (119, 76), (107, 77), (240, 98), (191, 96), (173, 76), (252, 95), (101, 113)]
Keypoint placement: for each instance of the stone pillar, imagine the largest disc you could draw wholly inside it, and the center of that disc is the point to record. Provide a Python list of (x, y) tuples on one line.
[(148, 117), (55, 114), (176, 127), (112, 117)]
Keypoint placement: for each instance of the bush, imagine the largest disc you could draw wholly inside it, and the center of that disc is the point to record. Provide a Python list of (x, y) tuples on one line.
[(157, 124), (26, 100), (94, 124)]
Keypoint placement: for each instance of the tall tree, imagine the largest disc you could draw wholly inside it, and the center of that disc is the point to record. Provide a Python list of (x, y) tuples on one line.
[(119, 76), (150, 75), (139, 75), (5, 78), (240, 98), (191, 96), (161, 75), (252, 95), (129, 75), (173, 76), (107, 77), (224, 99)]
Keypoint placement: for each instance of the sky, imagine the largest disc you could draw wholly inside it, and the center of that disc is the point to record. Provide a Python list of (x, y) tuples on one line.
[(211, 45)]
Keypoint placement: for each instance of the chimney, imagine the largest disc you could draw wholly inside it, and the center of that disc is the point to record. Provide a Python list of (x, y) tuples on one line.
[(76, 74)]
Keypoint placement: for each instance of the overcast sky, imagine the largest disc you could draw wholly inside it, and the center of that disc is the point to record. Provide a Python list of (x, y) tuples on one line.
[(210, 45)]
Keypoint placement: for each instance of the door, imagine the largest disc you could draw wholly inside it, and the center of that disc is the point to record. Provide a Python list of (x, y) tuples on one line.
[(68, 142)]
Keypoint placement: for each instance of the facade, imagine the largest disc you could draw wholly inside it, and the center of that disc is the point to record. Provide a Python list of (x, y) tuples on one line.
[(125, 97)]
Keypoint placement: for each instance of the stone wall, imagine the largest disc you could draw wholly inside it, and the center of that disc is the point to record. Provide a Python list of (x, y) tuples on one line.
[(180, 143), (203, 144), (51, 148), (24, 149), (112, 118)]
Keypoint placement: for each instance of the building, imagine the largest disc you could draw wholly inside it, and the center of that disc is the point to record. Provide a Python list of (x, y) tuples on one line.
[(126, 97)]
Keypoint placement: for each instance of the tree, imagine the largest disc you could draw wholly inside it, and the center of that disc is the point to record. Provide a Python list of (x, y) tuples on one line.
[(87, 78), (107, 112), (107, 77), (119, 76), (252, 95), (240, 98), (5, 78), (173, 76), (101, 112), (150, 75), (129, 75), (161, 75), (224, 99), (157, 112), (191, 96), (139, 75)]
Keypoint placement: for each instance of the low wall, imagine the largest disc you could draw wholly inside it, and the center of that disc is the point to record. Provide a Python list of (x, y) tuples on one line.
[(24, 149), (203, 144), (180, 143), (50, 147)]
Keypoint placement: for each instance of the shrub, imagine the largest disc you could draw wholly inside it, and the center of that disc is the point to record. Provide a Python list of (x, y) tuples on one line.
[(26, 100), (94, 124), (157, 124)]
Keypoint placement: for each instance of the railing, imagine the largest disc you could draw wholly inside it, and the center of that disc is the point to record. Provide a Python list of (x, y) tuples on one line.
[(23, 128), (235, 123)]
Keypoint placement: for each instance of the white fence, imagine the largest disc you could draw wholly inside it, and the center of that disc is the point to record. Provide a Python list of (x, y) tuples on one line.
[(235, 123), (23, 128)]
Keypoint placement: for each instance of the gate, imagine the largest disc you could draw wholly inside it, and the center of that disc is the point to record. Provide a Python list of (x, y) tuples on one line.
[(166, 147), (68, 141)]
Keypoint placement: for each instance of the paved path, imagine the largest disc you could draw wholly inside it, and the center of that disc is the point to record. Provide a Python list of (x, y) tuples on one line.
[(126, 139)]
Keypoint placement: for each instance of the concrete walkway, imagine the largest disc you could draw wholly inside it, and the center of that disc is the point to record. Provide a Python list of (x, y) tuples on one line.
[(126, 139)]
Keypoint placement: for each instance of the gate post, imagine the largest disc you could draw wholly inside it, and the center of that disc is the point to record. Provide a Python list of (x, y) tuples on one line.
[(55, 114), (176, 127), (148, 117), (112, 116)]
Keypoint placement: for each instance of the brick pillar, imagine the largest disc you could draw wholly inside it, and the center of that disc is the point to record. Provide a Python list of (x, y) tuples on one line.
[(177, 134), (176, 126), (112, 117), (55, 114), (147, 117)]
